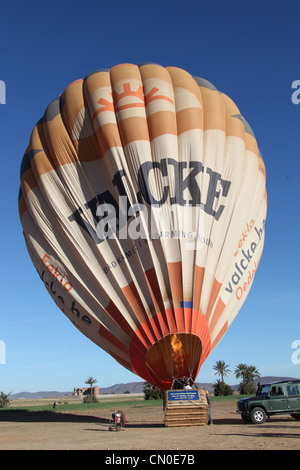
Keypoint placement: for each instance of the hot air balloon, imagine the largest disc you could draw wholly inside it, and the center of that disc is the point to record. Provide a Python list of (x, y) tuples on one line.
[(143, 206)]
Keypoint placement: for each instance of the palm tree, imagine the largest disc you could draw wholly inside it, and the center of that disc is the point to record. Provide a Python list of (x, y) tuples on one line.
[(221, 369), (253, 373), (241, 371), (4, 401), (91, 381), (248, 375)]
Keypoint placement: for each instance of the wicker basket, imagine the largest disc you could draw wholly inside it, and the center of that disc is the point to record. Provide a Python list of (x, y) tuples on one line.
[(185, 408)]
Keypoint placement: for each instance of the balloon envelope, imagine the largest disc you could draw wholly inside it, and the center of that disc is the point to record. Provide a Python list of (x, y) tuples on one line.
[(143, 205)]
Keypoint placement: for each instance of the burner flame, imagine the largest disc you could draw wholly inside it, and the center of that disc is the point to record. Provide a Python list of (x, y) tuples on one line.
[(177, 355)]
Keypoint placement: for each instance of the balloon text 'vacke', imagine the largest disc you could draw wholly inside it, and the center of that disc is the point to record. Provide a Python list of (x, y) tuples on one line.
[(175, 214)]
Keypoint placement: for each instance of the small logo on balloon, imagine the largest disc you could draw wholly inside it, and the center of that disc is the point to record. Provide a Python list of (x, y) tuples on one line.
[(2, 92)]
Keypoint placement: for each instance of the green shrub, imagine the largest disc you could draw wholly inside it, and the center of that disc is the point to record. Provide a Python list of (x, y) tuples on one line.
[(247, 389), (90, 399), (222, 389), (151, 392), (4, 401)]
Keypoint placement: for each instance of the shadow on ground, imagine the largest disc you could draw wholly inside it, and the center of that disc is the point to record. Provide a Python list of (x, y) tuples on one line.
[(25, 416)]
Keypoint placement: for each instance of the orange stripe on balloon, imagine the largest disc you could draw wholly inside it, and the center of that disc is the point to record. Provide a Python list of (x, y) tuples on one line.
[(188, 119), (124, 71), (213, 295), (171, 320), (73, 104), (220, 336), (188, 315), (58, 142), (202, 329), (108, 336), (217, 314), (135, 302), (198, 282), (153, 285), (117, 316), (141, 341), (179, 316), (132, 295), (161, 123), (108, 137), (133, 129), (76, 82)]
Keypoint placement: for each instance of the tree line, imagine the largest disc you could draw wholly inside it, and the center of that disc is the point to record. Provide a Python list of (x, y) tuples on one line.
[(247, 374)]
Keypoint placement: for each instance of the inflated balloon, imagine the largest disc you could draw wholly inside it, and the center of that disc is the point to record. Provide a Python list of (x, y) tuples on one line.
[(143, 205)]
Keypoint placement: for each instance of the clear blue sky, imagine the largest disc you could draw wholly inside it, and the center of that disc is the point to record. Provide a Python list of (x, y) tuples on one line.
[(250, 51)]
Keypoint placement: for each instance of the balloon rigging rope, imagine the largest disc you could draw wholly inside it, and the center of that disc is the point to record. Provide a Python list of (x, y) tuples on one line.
[(66, 365)]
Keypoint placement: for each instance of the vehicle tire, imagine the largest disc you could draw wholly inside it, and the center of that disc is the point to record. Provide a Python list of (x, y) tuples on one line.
[(245, 418), (295, 415), (258, 415)]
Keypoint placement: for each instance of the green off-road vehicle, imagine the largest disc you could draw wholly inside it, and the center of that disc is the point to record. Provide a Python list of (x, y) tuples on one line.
[(271, 399)]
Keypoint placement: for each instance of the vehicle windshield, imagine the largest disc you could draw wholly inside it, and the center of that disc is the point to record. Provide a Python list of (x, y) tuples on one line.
[(265, 390)]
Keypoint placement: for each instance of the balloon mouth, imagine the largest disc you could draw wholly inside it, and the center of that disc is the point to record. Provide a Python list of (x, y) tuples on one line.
[(174, 356)]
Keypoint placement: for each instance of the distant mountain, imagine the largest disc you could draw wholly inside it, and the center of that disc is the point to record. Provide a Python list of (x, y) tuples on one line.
[(35, 395), (132, 387), (138, 387)]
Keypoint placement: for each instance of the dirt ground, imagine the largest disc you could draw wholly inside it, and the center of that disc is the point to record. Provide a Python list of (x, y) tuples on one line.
[(144, 430)]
